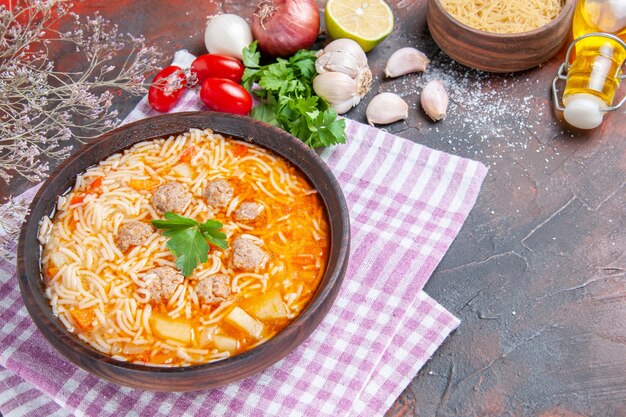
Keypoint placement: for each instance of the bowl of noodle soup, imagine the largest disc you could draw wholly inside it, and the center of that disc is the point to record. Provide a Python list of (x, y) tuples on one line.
[(500, 35), (105, 289)]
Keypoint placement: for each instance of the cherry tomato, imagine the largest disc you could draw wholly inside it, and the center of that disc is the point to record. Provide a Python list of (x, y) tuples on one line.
[(224, 95), (217, 66), (167, 88)]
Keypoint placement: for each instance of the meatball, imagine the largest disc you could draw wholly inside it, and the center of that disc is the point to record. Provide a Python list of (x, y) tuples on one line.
[(213, 289), (218, 193), (162, 282), (170, 197), (247, 254), (133, 234), (248, 211)]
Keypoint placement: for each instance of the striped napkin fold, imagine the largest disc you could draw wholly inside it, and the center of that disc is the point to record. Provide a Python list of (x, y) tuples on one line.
[(407, 203)]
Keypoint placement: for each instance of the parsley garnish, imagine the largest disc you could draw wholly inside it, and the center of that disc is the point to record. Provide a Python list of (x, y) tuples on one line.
[(189, 240), (288, 100)]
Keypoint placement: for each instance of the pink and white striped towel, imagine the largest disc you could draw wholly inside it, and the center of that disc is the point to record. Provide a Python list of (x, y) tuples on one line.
[(407, 203)]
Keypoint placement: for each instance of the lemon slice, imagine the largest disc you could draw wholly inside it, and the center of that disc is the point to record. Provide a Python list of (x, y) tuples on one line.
[(365, 21)]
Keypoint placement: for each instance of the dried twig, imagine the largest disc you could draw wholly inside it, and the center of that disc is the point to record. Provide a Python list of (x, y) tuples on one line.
[(41, 107)]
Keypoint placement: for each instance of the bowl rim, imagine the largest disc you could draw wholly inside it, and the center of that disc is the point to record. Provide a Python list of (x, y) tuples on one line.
[(567, 6), (326, 292)]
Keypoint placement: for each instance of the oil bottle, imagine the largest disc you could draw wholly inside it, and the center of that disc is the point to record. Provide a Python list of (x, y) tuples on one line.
[(593, 77)]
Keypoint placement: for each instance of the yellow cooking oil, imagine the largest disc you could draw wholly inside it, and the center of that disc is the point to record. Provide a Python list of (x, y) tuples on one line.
[(592, 80)]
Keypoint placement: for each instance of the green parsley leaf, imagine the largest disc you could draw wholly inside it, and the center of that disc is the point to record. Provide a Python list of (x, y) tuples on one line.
[(327, 129), (276, 77), (265, 113), (251, 57), (285, 89), (304, 61), (304, 55), (308, 107), (211, 232), (190, 249), (173, 223), (189, 240), (248, 78)]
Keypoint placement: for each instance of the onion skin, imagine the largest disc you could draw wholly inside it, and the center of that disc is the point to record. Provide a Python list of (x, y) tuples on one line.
[(283, 27), (227, 34)]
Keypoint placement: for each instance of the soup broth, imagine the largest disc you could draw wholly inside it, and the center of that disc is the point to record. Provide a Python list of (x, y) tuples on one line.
[(113, 282)]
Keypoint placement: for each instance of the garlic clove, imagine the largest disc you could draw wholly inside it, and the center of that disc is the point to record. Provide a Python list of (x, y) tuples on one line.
[(405, 61), (337, 61), (386, 108), (344, 77), (350, 46), (363, 82), (343, 106), (334, 87), (434, 100)]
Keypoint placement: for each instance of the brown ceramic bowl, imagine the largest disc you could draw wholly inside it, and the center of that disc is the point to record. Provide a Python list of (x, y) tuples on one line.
[(497, 52), (201, 376)]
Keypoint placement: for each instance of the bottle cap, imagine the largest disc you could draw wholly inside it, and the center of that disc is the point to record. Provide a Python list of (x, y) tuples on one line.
[(583, 111)]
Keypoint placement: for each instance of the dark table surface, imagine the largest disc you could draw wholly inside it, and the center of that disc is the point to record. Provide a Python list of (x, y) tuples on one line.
[(538, 272)]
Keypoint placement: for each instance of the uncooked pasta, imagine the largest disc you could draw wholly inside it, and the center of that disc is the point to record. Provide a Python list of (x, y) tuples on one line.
[(503, 16)]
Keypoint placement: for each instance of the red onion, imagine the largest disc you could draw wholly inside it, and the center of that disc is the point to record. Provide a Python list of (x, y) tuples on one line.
[(282, 27)]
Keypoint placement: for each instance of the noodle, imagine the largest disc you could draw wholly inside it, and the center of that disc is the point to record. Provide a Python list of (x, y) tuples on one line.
[(104, 293), (504, 16)]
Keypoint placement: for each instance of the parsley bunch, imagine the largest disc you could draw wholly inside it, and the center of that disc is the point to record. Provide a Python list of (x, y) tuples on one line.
[(285, 89), (189, 240)]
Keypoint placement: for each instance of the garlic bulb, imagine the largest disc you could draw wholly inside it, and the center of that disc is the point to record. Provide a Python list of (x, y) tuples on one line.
[(338, 61), (335, 87), (343, 75), (405, 61), (346, 45), (434, 100), (386, 108)]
